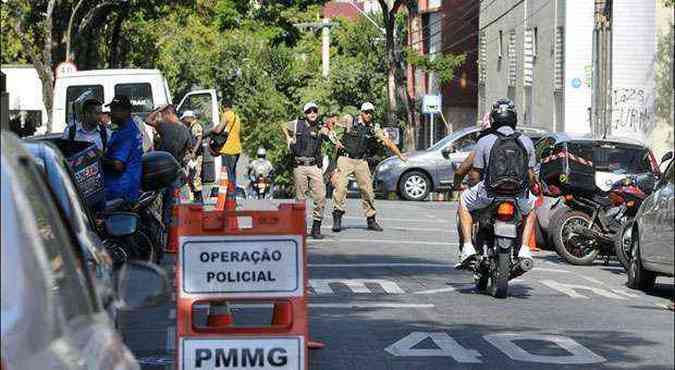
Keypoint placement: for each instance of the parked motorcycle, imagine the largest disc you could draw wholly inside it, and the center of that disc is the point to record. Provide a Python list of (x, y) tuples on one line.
[(497, 236), (261, 187), (593, 222)]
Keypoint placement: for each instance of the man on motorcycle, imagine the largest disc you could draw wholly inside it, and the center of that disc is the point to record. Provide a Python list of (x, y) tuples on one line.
[(260, 167), (504, 118)]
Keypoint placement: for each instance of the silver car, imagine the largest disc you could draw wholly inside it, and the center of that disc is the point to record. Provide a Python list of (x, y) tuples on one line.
[(653, 234), (51, 316), (428, 170)]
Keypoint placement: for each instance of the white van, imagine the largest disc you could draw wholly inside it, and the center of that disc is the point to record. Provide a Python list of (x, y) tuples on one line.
[(26, 108), (146, 88)]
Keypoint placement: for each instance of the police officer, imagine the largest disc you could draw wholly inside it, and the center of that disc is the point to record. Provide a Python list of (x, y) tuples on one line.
[(304, 138), (357, 140)]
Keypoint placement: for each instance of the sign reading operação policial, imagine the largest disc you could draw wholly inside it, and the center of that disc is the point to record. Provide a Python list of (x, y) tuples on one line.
[(245, 266)]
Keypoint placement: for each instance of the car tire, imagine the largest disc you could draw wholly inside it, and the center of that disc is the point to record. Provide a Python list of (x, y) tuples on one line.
[(414, 186), (637, 276), (623, 244), (555, 219)]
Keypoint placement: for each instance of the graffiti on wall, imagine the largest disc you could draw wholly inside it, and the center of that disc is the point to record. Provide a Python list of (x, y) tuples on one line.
[(632, 111)]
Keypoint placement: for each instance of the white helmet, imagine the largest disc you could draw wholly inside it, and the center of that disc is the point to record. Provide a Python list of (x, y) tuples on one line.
[(261, 153)]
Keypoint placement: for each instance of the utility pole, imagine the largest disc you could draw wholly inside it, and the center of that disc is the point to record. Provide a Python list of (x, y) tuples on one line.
[(325, 47), (602, 69)]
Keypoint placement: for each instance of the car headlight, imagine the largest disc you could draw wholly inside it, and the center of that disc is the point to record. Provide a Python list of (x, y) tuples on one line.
[(384, 166)]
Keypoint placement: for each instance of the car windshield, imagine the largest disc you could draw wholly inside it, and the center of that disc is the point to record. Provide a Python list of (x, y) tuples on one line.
[(615, 158), (446, 140)]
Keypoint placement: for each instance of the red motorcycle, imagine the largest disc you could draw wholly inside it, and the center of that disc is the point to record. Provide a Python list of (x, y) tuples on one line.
[(596, 223)]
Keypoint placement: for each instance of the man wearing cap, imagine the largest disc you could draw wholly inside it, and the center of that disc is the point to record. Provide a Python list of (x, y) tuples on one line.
[(195, 155), (358, 138), (122, 163), (89, 129), (304, 138)]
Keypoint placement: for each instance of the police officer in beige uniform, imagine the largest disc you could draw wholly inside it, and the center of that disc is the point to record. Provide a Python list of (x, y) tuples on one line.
[(304, 138), (359, 135)]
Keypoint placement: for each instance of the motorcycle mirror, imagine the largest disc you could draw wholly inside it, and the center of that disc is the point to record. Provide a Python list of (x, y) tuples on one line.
[(120, 224), (142, 284), (667, 156)]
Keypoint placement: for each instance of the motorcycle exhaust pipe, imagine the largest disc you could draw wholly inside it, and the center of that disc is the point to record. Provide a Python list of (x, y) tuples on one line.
[(524, 265)]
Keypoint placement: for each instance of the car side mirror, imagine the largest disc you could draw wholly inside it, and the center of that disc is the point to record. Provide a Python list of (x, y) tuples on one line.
[(120, 224), (142, 284), (447, 151), (666, 157)]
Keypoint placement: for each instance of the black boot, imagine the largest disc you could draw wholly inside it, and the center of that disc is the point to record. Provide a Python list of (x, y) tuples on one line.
[(337, 221), (316, 230), (372, 224), (198, 197)]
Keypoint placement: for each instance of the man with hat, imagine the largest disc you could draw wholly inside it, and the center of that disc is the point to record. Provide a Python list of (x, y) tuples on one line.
[(89, 128), (304, 138), (195, 158), (122, 163), (357, 140)]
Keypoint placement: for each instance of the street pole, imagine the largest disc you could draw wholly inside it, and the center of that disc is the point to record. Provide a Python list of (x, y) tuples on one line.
[(431, 129), (325, 47)]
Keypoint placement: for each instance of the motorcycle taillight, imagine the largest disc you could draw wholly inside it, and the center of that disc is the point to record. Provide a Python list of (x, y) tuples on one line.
[(505, 211)]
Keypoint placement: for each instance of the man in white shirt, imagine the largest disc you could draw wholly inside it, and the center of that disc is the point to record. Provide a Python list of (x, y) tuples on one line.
[(89, 129)]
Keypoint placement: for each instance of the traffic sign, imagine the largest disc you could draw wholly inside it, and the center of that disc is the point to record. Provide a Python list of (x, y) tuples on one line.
[(431, 104), (245, 266), (65, 68), (278, 353)]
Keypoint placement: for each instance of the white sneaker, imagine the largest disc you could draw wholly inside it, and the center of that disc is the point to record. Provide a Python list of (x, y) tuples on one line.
[(468, 251), (524, 252)]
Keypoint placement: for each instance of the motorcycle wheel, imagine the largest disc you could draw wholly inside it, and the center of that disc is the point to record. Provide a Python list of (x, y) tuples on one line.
[(500, 274), (147, 249), (570, 246), (623, 244)]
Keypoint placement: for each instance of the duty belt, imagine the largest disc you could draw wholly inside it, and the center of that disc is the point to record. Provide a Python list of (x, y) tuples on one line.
[(352, 156), (305, 161)]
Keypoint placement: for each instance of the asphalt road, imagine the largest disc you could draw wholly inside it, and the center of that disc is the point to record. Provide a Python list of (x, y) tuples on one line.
[(392, 300)]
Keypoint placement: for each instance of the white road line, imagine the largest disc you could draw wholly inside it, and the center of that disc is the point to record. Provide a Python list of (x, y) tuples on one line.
[(434, 291), (544, 269), (172, 314), (369, 305), (627, 294), (407, 229), (592, 280), (376, 241), (170, 339), (341, 265)]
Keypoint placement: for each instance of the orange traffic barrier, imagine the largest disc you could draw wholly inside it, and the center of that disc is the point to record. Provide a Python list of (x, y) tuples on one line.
[(532, 243), (246, 258)]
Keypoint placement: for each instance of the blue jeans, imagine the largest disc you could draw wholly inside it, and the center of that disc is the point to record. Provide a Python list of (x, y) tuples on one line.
[(230, 162)]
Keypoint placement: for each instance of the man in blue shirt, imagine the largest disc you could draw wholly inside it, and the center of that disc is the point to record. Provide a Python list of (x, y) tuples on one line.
[(122, 164)]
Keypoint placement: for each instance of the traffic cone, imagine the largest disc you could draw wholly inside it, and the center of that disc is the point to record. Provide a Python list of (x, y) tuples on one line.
[(172, 237), (219, 315), (283, 314), (532, 243), (222, 193)]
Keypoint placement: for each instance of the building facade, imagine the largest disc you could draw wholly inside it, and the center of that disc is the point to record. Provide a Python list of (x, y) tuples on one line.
[(445, 27), (546, 56)]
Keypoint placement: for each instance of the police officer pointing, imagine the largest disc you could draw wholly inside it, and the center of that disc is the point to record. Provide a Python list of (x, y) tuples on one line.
[(304, 138), (358, 138)]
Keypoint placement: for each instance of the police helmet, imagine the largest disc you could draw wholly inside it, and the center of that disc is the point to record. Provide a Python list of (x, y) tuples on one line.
[(261, 153), (503, 114)]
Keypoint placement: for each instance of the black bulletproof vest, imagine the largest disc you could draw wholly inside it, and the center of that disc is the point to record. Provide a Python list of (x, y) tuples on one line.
[(307, 140), (357, 141)]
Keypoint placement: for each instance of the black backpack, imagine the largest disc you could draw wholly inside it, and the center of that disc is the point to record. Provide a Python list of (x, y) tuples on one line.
[(508, 167), (103, 131)]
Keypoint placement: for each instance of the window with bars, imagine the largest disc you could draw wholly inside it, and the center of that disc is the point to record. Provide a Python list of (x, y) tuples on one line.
[(482, 63), (559, 62), (529, 54), (513, 58)]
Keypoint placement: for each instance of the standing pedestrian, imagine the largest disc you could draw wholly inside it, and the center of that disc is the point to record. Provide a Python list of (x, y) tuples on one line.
[(122, 163), (196, 156), (358, 139), (174, 138), (89, 128), (230, 127), (304, 138)]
